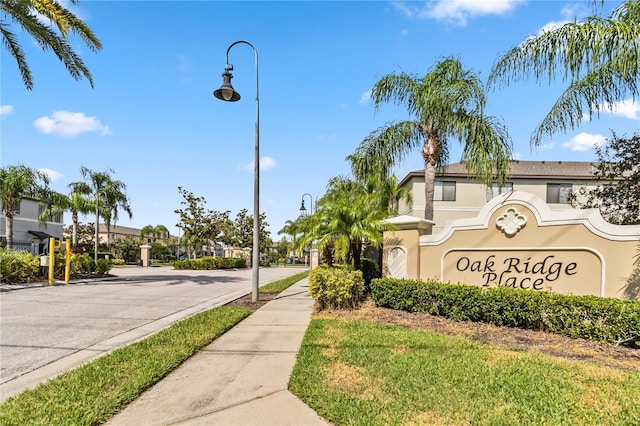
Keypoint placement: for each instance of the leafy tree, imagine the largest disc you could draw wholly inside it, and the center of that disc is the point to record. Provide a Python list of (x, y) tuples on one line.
[(618, 200), (447, 102), (201, 226), (243, 231), (598, 57), (17, 183), (28, 14), (127, 248)]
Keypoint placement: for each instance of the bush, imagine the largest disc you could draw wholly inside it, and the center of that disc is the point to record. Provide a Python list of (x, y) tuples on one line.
[(18, 266), (370, 270), (103, 266), (336, 287), (208, 263), (588, 317)]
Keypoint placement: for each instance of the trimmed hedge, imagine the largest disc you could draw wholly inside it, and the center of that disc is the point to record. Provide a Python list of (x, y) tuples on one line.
[(209, 262), (587, 317), (336, 287)]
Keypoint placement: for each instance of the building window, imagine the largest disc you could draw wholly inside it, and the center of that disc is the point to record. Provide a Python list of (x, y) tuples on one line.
[(56, 217), (444, 190), (495, 189), (558, 193)]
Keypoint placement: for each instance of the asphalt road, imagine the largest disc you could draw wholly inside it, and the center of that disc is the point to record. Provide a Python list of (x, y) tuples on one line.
[(46, 330)]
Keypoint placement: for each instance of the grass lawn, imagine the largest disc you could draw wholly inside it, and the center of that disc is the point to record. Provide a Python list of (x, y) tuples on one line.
[(362, 373)]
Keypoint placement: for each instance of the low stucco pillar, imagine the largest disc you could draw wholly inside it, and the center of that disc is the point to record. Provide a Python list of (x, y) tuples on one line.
[(315, 258), (401, 255), (145, 254)]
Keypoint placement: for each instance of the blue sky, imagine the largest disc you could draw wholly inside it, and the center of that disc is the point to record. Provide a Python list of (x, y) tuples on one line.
[(152, 117)]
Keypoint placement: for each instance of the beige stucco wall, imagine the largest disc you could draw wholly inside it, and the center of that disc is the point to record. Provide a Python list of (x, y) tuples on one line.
[(567, 251)]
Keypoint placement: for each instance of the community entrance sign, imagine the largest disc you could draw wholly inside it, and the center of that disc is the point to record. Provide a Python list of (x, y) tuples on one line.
[(517, 241)]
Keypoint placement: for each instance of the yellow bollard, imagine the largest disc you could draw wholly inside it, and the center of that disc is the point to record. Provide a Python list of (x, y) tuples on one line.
[(67, 261), (52, 258)]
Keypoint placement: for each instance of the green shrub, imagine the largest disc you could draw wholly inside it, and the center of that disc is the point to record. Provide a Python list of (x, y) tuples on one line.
[(588, 317), (103, 266), (336, 287), (370, 270), (18, 266), (208, 263), (118, 262)]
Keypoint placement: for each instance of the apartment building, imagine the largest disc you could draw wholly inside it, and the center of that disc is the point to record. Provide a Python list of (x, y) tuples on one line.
[(28, 233), (458, 195)]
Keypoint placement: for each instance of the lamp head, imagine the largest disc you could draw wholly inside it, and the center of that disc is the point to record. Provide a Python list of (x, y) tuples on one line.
[(303, 210), (226, 91)]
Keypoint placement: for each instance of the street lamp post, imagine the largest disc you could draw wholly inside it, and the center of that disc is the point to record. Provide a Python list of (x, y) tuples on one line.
[(228, 94), (303, 213)]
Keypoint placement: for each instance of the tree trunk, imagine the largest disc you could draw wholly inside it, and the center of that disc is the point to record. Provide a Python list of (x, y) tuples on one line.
[(74, 232), (431, 155), (429, 184), (8, 220)]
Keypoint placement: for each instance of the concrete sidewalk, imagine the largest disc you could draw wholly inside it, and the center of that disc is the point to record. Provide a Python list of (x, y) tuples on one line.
[(241, 378)]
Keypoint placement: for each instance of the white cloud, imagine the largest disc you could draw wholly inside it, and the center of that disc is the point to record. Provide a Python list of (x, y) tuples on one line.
[(569, 13), (6, 109), (364, 99), (627, 109), (53, 175), (265, 163), (584, 141), (456, 12), (549, 145), (67, 123)]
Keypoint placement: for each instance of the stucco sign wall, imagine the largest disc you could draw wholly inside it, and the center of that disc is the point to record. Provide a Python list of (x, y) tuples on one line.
[(518, 241)]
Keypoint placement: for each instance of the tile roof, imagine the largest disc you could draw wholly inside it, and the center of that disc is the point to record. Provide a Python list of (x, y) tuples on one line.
[(524, 169)]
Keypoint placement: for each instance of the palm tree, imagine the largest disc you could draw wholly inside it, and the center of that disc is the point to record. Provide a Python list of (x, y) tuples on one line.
[(292, 228), (448, 102), (28, 15), (346, 218), (600, 57), (77, 203), (106, 194), (115, 198), (16, 183), (158, 231)]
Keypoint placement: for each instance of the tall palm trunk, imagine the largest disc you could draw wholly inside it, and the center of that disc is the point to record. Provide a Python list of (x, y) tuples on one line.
[(74, 232), (430, 153)]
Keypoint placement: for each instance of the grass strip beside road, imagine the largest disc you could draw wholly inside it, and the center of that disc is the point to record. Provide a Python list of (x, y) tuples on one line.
[(94, 392), (362, 373), (283, 284)]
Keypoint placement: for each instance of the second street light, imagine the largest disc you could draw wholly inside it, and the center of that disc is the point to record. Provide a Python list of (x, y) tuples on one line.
[(228, 94), (303, 213)]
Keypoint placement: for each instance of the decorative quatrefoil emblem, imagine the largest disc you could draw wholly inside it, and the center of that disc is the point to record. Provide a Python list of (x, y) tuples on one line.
[(511, 222)]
